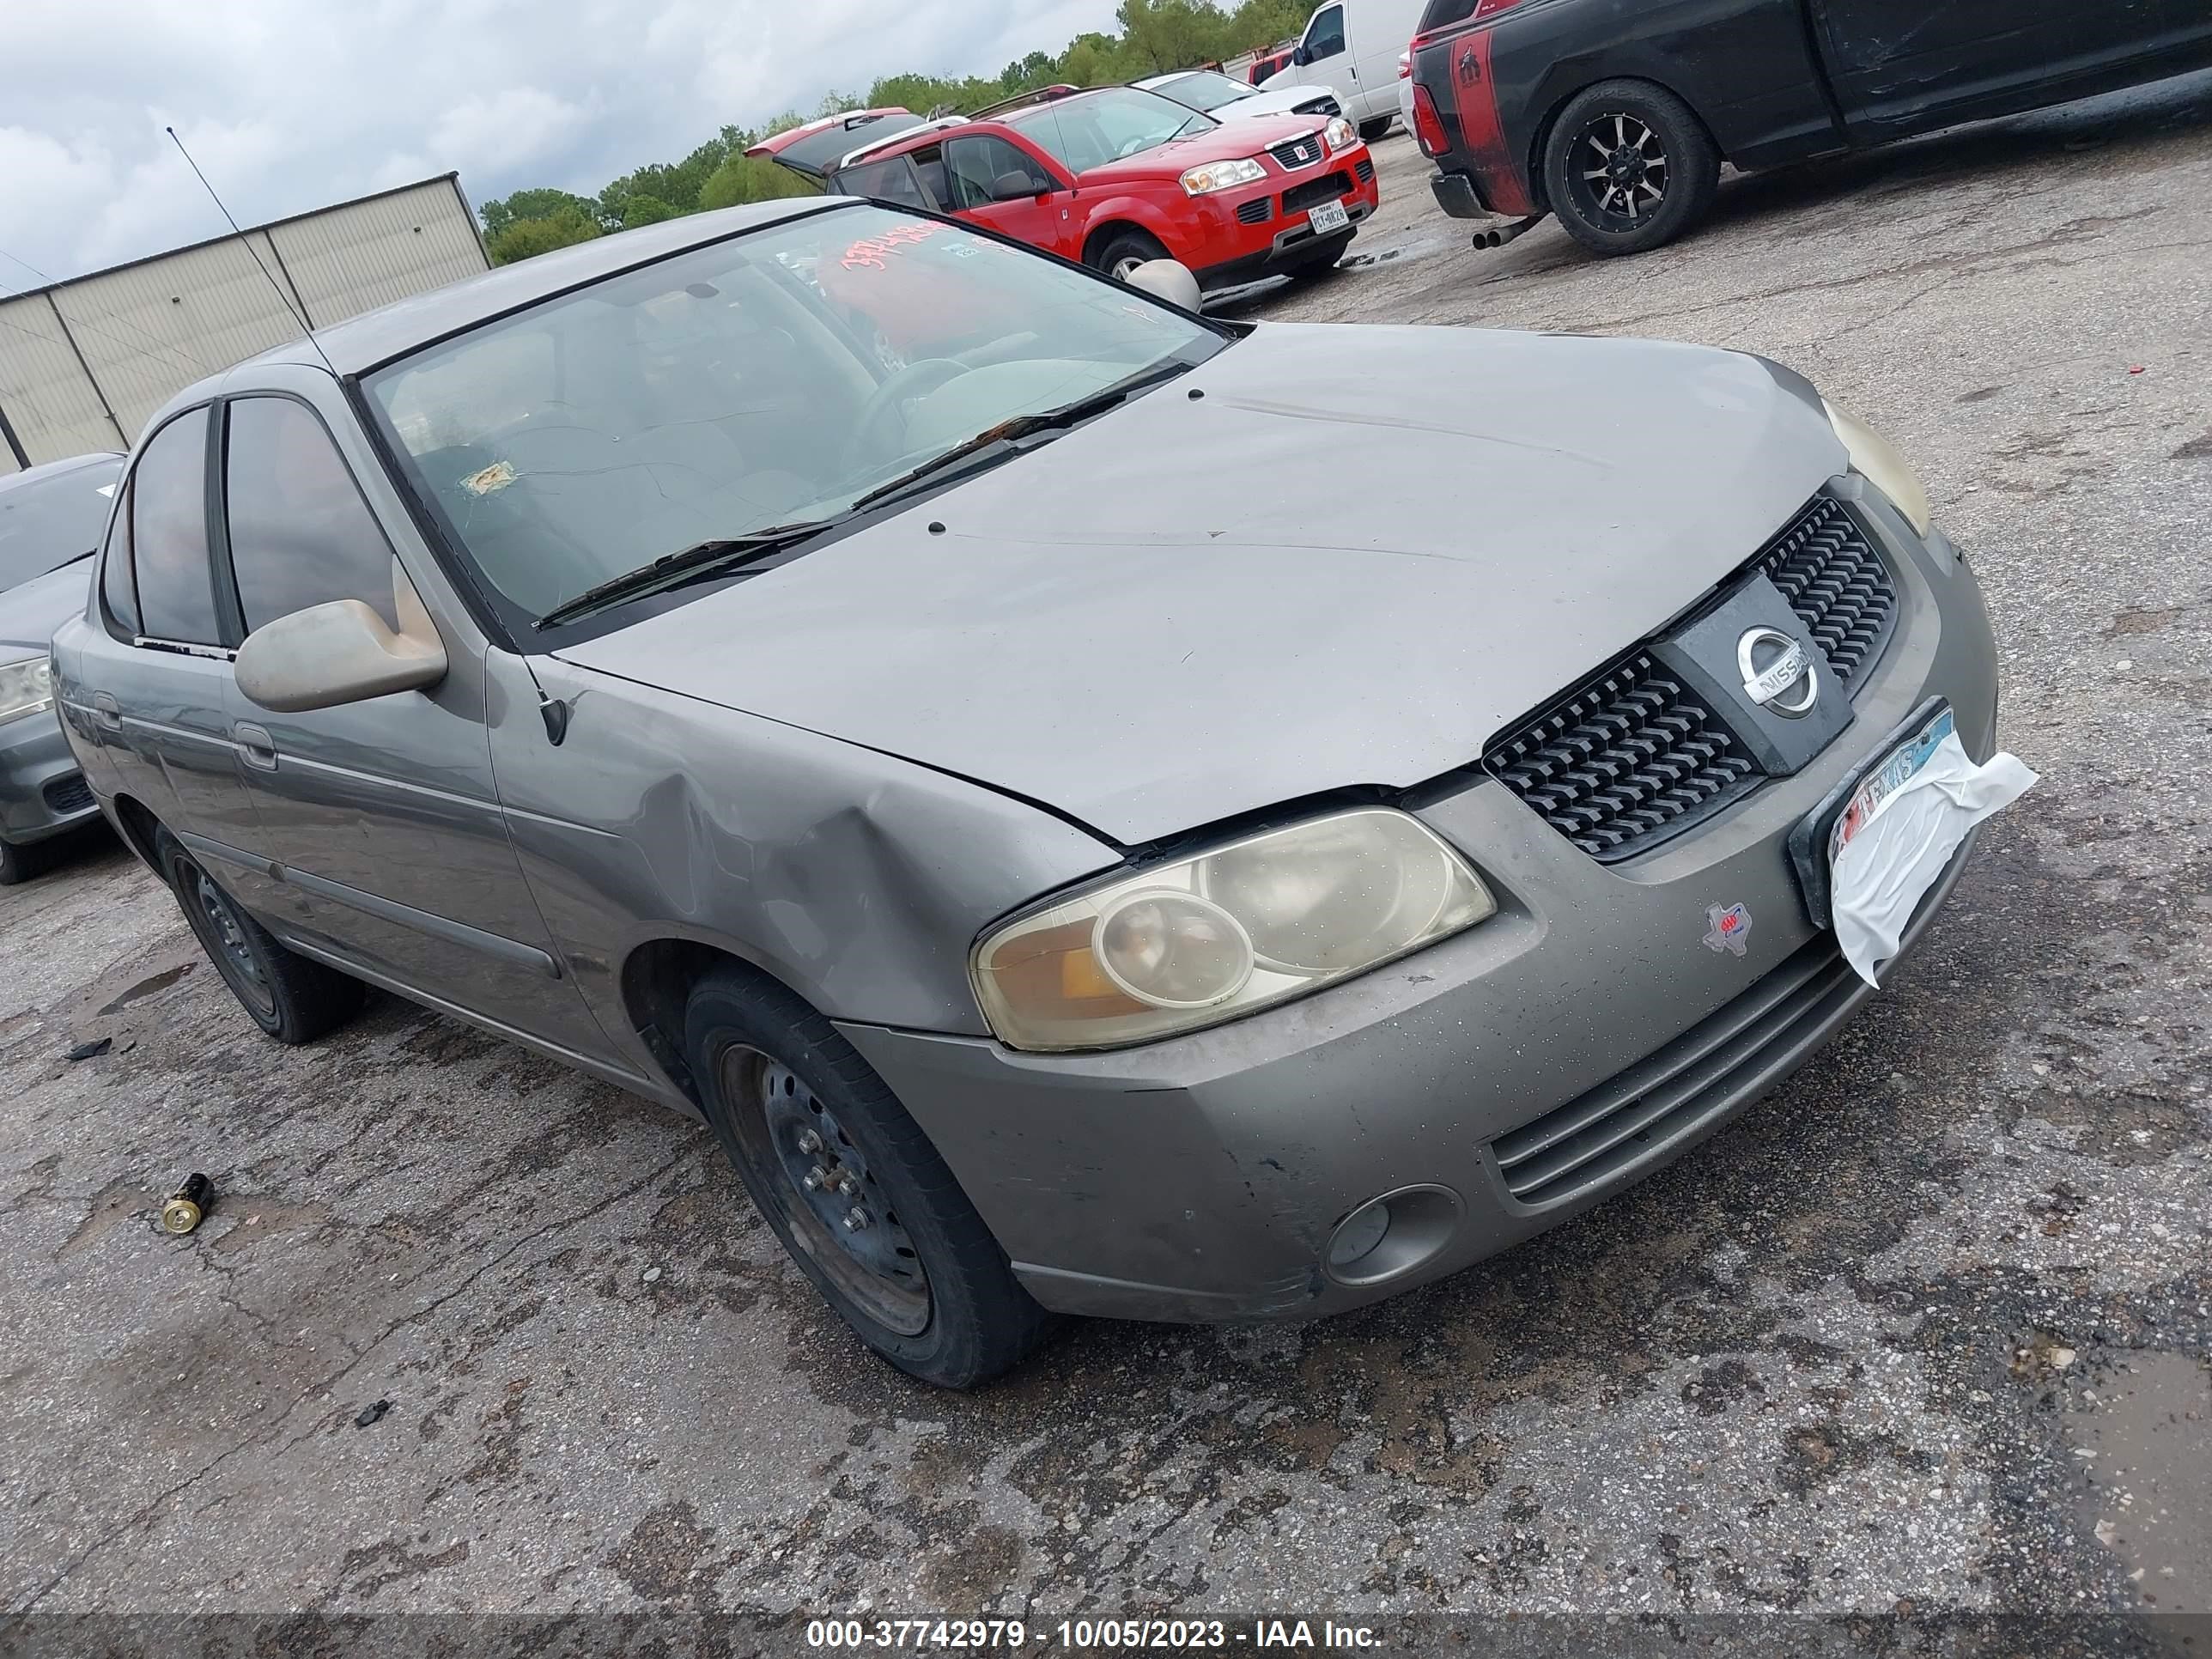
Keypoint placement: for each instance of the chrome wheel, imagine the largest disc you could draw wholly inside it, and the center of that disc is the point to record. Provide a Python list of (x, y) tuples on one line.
[(234, 954), (839, 1213), (1126, 267), (1620, 169)]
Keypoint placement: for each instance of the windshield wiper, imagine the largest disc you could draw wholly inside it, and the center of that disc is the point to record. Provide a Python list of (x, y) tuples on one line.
[(1024, 426), (688, 563)]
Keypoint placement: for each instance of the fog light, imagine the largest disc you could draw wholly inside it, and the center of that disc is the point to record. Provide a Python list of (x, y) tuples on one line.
[(1358, 1234), (1393, 1236)]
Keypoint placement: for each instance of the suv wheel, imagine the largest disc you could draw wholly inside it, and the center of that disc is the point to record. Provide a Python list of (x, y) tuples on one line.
[(852, 1187), (290, 997), (1628, 166)]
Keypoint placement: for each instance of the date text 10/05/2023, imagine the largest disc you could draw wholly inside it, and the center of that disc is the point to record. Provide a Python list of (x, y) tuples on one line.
[(1090, 1635)]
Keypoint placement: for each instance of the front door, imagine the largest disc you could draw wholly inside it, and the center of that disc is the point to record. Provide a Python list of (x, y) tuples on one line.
[(384, 811), (1325, 59), (1903, 65), (999, 184)]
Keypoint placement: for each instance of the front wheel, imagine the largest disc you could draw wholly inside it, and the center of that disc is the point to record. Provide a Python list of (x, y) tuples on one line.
[(852, 1187), (1629, 166)]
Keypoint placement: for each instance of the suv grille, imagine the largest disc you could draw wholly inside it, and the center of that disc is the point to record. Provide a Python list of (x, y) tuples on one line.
[(1631, 754), (1632, 757), (1298, 153), (1837, 584), (1298, 198)]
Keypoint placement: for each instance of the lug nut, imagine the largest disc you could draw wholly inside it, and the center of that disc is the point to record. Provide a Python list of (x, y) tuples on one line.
[(817, 1178), (856, 1218), (846, 1184), (810, 1142)]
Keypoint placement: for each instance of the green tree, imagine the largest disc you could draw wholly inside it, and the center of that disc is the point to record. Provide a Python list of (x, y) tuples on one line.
[(642, 209), (522, 238), (742, 179), (499, 213)]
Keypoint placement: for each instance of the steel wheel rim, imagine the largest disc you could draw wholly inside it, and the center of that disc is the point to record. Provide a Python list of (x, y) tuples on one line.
[(226, 932), (838, 1211), (1619, 171)]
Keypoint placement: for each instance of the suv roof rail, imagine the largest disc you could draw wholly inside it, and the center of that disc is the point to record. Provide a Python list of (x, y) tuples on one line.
[(935, 124), (1024, 99)]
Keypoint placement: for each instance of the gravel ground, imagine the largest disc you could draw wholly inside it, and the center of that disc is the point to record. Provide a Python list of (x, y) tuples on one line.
[(1926, 1333)]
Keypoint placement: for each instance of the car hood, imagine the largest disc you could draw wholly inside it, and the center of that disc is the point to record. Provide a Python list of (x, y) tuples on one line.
[(1225, 142), (1352, 561), (31, 611), (1284, 100)]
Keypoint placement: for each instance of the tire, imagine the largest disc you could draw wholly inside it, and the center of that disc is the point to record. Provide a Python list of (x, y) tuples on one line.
[(1658, 168), (1371, 131), (290, 997), (1122, 250), (921, 1281), (1321, 264), (19, 864)]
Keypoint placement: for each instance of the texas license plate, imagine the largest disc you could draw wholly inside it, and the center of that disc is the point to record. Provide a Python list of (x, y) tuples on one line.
[(1329, 215), (1820, 838)]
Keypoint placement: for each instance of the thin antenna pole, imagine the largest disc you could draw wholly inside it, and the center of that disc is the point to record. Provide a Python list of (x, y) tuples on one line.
[(305, 327)]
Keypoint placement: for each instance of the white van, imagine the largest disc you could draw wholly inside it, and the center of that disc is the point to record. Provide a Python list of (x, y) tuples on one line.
[(1353, 47)]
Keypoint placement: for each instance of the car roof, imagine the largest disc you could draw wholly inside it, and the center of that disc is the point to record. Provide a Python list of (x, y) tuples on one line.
[(376, 338), (44, 470)]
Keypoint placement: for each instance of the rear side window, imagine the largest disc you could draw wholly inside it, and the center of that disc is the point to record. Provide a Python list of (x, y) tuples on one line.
[(168, 535), (299, 533), (884, 181), (118, 589), (1443, 14)]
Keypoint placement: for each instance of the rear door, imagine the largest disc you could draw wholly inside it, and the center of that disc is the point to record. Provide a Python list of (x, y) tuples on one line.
[(1006, 186), (1906, 64), (384, 811)]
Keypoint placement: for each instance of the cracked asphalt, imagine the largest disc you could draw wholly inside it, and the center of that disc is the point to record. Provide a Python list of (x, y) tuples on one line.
[(1926, 1332)]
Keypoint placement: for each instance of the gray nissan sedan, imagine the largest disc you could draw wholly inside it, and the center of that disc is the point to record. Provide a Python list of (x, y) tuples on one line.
[(1102, 810)]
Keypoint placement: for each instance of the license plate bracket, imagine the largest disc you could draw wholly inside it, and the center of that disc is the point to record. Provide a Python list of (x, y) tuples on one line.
[(1822, 833)]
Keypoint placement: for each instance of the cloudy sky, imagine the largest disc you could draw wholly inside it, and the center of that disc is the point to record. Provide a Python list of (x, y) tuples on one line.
[(290, 104)]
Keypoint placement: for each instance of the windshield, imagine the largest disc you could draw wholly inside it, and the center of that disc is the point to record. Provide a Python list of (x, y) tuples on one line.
[(1109, 125), (48, 520), (1203, 89), (770, 379)]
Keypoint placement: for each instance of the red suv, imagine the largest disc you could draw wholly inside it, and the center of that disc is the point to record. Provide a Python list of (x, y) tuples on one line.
[(1112, 178)]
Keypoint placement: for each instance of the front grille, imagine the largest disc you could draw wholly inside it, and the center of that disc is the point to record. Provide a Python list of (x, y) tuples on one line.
[(1633, 754), (1632, 758), (1365, 168), (1298, 153), (69, 794), (1838, 585), (1298, 198), (1256, 212), (1638, 1115), (1322, 106)]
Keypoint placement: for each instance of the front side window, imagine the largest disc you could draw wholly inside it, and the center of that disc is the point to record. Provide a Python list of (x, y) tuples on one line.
[(1204, 90), (168, 535), (299, 533), (1109, 125), (743, 385), (1325, 36), (986, 170)]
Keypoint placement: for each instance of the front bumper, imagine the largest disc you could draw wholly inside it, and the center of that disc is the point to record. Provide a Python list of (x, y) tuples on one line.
[(1238, 250), (1199, 1179), (42, 793)]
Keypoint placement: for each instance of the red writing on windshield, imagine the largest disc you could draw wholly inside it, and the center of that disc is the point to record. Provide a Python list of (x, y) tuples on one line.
[(875, 253)]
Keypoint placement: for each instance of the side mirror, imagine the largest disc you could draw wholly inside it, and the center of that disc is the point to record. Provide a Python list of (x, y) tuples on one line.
[(1167, 279), (1300, 56), (1017, 187), (341, 653)]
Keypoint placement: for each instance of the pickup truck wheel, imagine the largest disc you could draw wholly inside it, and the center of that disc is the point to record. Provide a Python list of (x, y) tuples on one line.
[(849, 1183), (1628, 166), (290, 997), (1122, 253)]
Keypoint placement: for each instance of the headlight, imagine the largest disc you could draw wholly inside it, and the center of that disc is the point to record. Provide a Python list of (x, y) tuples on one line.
[(1223, 175), (1338, 134), (1256, 922), (25, 688), (1877, 460)]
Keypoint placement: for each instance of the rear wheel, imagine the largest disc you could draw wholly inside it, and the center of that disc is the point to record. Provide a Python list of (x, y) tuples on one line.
[(852, 1187), (290, 997), (1120, 252), (1629, 166)]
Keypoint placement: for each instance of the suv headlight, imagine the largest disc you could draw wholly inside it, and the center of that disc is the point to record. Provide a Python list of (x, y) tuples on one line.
[(1338, 134), (1223, 175), (1879, 462), (25, 688), (1260, 920)]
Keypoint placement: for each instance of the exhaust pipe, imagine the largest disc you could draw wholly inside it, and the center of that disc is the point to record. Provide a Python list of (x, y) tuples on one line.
[(1499, 238)]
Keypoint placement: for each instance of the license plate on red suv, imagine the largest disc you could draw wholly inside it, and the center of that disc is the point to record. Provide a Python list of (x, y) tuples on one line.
[(1329, 215)]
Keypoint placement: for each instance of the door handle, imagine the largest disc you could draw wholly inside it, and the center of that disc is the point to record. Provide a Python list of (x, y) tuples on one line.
[(256, 745), (106, 710)]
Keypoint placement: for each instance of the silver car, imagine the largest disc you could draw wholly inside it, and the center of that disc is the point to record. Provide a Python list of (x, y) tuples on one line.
[(1119, 813)]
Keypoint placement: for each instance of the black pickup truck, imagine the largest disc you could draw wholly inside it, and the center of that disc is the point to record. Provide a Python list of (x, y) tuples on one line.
[(1617, 114)]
